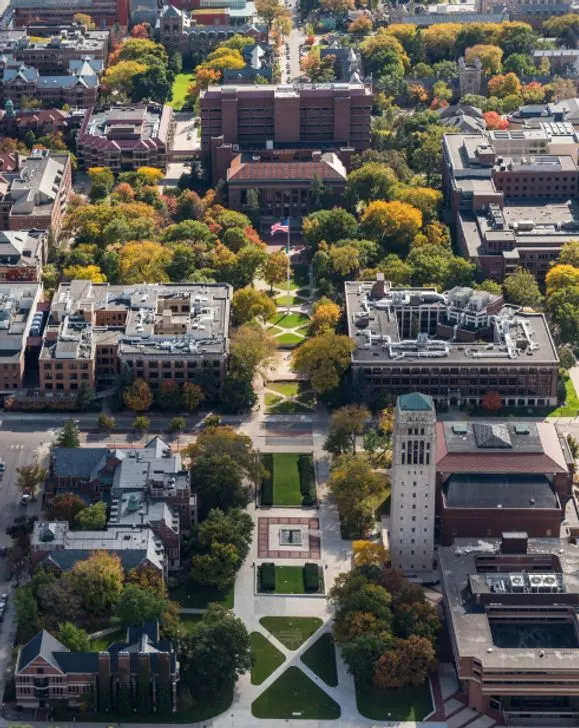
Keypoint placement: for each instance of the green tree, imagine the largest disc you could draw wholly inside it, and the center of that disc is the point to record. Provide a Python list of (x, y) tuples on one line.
[(141, 423), (362, 653), (248, 304), (329, 226), (31, 477), (138, 604), (68, 436), (323, 359), (177, 424), (192, 396), (73, 637), (98, 581), (563, 307), (106, 423), (521, 288), (237, 392), (520, 64), (27, 615), (357, 489), (372, 181), (275, 269), (168, 395), (92, 518), (569, 254), (346, 424), (216, 652), (252, 349), (102, 181)]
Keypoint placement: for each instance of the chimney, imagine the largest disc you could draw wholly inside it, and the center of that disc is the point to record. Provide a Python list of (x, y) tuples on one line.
[(379, 287), (124, 667), (104, 681), (514, 542), (316, 156)]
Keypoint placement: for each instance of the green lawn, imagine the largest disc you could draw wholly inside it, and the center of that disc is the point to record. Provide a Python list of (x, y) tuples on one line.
[(180, 85), (303, 292), (288, 389), (291, 631), (321, 659), (100, 644), (308, 398), (294, 695), (271, 400), (267, 658), (199, 596), (286, 480), (411, 703), (300, 275), (289, 580), (289, 320), (288, 407), (571, 407), (289, 340), (285, 300)]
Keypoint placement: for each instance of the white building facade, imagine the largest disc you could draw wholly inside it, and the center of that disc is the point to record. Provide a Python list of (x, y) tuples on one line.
[(412, 509)]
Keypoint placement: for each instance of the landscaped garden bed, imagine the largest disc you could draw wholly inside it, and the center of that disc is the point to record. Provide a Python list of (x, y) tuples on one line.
[(306, 579), (290, 480)]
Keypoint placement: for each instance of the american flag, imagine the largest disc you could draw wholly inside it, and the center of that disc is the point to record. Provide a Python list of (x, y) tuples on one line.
[(280, 227)]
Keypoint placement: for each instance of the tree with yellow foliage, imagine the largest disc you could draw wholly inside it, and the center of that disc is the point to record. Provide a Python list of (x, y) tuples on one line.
[(504, 85), (144, 262), (119, 77), (325, 316), (440, 41), (392, 224), (84, 19), (85, 273), (323, 359), (275, 268), (368, 553), (561, 276), (149, 175), (490, 56)]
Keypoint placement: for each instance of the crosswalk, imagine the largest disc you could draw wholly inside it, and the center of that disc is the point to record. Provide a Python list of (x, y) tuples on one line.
[(16, 446)]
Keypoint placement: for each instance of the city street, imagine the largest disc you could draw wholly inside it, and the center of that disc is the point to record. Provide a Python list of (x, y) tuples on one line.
[(293, 42)]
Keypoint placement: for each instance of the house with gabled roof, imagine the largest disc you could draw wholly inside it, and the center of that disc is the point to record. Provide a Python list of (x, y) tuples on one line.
[(47, 671)]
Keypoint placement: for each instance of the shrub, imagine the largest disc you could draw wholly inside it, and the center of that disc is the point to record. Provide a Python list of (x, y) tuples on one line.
[(311, 577), (267, 577), (267, 482), (307, 480)]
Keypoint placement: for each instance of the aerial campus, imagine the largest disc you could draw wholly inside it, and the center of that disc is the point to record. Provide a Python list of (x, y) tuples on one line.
[(289, 398)]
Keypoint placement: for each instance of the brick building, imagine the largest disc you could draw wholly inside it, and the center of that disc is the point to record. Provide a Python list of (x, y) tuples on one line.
[(173, 331), (283, 181), (37, 195), (513, 196), (105, 13), (125, 138), (52, 55), (326, 117), (511, 609), (496, 476), (22, 255), (48, 672), (454, 346)]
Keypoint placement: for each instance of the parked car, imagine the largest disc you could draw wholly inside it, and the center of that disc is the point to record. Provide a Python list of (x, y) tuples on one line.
[(2, 466), (26, 495)]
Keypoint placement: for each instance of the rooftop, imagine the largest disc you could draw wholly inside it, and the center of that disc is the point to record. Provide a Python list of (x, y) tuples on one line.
[(120, 127), (477, 490), (382, 334), (36, 187), (247, 167)]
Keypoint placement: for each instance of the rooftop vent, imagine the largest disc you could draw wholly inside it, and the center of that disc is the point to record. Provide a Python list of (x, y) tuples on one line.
[(460, 428)]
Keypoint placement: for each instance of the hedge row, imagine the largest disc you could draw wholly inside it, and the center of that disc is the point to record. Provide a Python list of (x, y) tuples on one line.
[(307, 480), (311, 577), (267, 577), (267, 482)]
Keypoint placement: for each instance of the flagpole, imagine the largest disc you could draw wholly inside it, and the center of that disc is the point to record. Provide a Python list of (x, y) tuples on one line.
[(288, 265)]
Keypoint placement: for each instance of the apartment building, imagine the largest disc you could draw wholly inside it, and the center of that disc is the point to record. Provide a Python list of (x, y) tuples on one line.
[(125, 138), (22, 255), (283, 181), (173, 331), (56, 547), (52, 55), (37, 194), (18, 303), (48, 672), (326, 117), (454, 346), (511, 609), (513, 196)]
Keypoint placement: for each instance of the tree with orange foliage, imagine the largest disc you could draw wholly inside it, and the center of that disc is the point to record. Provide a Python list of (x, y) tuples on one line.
[(495, 121), (418, 93), (409, 663), (492, 401), (124, 192), (361, 26), (141, 30), (504, 85)]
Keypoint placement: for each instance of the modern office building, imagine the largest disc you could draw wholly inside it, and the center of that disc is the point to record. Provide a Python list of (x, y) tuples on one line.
[(513, 196), (48, 672), (455, 346), (174, 331), (327, 117), (413, 479), (511, 608), (125, 138)]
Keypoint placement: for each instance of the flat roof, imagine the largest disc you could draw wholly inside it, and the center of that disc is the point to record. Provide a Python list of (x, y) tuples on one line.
[(477, 490), (469, 623)]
